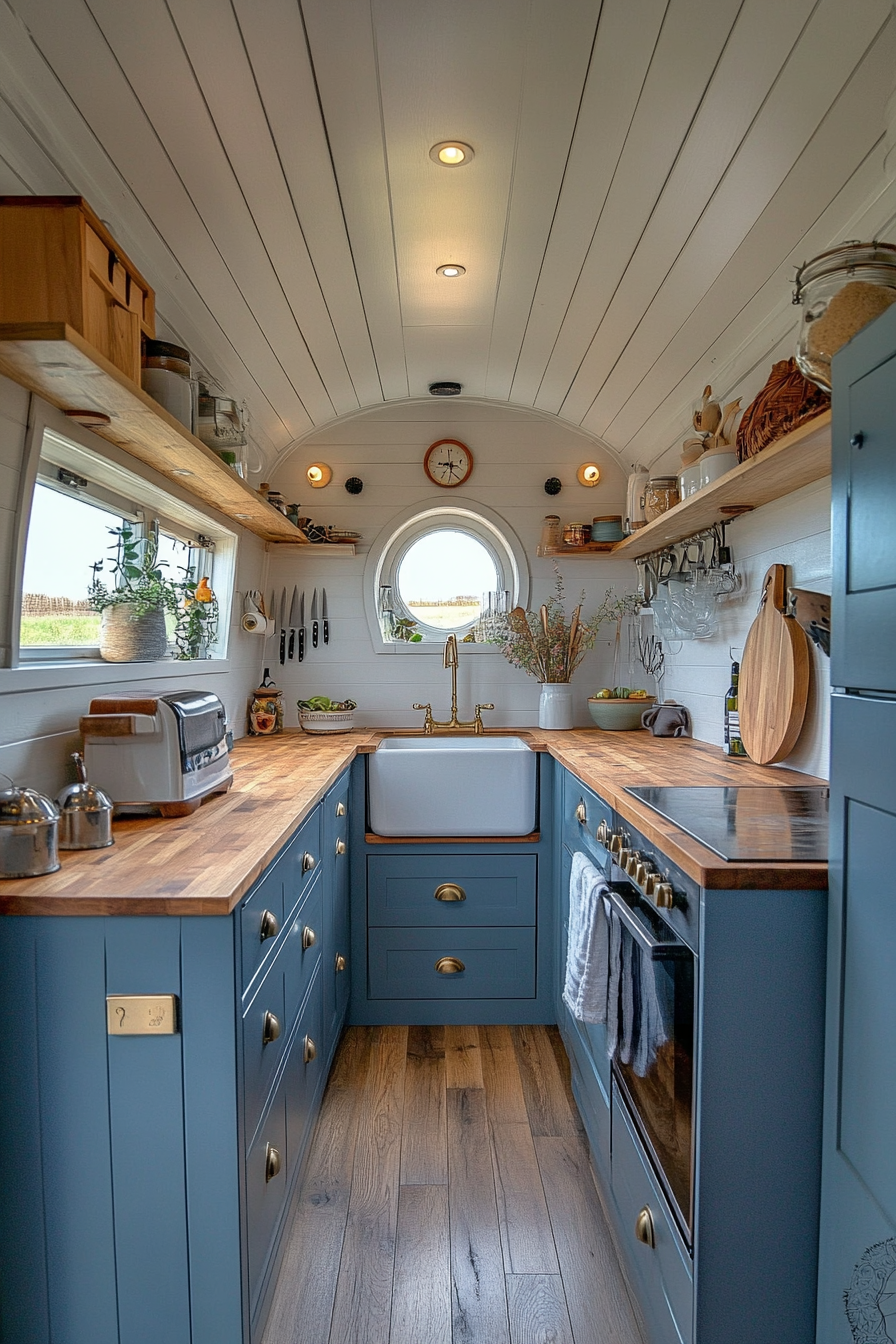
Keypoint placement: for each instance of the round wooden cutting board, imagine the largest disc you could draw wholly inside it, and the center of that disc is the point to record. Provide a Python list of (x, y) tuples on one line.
[(774, 677)]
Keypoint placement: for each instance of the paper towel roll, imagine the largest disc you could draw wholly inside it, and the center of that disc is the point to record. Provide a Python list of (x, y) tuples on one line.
[(254, 624)]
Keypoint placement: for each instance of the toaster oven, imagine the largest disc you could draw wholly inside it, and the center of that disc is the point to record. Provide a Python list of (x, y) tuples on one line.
[(157, 752)]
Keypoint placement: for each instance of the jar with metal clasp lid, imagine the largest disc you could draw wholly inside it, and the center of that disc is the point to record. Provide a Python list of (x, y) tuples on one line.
[(840, 291), (661, 493)]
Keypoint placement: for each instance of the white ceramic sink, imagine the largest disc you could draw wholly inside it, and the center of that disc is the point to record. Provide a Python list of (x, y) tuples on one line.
[(442, 786)]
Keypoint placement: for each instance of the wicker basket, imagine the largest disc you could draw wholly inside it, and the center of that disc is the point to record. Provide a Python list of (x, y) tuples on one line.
[(327, 721), (126, 637)]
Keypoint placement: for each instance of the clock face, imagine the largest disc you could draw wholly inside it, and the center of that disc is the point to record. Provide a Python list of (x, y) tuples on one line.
[(448, 462)]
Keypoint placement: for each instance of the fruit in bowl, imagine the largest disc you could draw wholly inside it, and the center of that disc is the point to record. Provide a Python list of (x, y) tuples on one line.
[(320, 714)]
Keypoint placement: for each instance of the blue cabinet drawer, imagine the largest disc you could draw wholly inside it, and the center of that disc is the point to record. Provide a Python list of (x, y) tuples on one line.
[(304, 1075), (267, 1184), (265, 1033), (497, 963), (664, 1271), (301, 860), (261, 919), (583, 813), (301, 953), (408, 889)]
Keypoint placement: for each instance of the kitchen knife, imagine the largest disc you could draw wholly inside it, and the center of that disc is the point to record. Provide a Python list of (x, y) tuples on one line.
[(271, 611), (323, 613), (282, 627), (314, 625), (293, 614), (302, 626)]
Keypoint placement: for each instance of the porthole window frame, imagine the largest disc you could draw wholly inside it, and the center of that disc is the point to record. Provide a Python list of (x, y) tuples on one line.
[(400, 533)]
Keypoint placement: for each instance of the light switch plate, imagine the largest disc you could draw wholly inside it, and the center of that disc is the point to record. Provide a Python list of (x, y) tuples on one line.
[(141, 1014)]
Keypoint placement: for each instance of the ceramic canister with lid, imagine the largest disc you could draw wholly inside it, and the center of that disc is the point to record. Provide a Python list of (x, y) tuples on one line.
[(29, 833), (166, 377)]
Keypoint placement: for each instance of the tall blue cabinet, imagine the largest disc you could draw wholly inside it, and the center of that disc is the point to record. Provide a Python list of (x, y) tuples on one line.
[(857, 1266)]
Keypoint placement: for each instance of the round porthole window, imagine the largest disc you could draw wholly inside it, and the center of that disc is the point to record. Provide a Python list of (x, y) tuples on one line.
[(442, 577)]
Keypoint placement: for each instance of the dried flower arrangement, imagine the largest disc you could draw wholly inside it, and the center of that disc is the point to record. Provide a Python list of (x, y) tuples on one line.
[(546, 646)]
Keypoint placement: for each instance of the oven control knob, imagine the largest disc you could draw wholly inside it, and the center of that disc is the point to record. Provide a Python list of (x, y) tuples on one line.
[(651, 882), (602, 834), (616, 843), (643, 873), (663, 895), (632, 862), (622, 857)]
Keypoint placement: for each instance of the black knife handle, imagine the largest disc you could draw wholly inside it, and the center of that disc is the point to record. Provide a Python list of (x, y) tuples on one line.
[(282, 647), (292, 645), (314, 628), (326, 630), (301, 642)]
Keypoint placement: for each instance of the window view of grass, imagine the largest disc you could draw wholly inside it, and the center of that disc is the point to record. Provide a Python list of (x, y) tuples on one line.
[(442, 577)]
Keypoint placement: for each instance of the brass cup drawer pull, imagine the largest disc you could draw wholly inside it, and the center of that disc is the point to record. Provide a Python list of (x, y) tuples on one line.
[(269, 927), (309, 938), (272, 1163), (450, 966), (340, 847), (340, 809), (270, 1028), (581, 814), (450, 891), (644, 1228), (602, 834), (340, 963), (310, 1051), (308, 862)]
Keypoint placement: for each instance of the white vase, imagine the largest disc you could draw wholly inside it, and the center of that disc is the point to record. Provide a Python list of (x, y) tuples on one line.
[(555, 705)]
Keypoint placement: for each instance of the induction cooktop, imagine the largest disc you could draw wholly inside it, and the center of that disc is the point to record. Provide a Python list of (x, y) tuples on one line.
[(748, 824)]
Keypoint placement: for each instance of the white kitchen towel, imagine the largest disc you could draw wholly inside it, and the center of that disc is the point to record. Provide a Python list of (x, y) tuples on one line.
[(614, 959), (651, 1026), (587, 967)]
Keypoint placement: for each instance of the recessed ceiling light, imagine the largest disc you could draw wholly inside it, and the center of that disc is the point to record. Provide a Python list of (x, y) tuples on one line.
[(451, 271), (445, 389), (451, 153)]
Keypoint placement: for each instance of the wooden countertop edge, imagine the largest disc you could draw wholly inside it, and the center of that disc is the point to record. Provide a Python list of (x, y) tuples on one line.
[(603, 762)]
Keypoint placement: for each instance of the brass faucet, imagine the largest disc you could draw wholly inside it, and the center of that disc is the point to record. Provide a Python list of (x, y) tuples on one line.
[(454, 724)]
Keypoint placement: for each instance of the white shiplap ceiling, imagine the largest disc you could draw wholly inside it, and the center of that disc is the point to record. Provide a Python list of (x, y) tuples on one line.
[(646, 174)]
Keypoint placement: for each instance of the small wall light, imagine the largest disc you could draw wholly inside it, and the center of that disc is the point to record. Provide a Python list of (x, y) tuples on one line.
[(319, 475), (588, 473), (451, 153)]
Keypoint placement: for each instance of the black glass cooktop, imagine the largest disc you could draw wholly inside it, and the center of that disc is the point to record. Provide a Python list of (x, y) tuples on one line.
[(748, 824)]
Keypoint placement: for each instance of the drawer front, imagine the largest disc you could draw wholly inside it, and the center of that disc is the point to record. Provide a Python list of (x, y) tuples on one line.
[(302, 858), (266, 1191), (497, 963), (664, 1272), (302, 951), (335, 814), (304, 1072), (265, 1033), (261, 919), (583, 813), (406, 889)]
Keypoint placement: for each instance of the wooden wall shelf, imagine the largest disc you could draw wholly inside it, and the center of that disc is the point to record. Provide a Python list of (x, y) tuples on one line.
[(51, 359), (798, 459)]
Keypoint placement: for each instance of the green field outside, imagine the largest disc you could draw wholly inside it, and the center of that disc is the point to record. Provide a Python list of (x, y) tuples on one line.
[(49, 631), (447, 617)]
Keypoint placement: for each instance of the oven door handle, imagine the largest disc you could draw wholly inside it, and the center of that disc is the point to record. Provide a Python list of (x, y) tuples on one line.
[(654, 947)]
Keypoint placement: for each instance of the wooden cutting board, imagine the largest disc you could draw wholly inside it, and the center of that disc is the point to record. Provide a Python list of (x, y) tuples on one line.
[(774, 677)]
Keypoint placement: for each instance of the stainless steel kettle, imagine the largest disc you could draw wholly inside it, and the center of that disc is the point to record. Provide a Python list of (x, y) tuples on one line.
[(86, 813), (29, 823)]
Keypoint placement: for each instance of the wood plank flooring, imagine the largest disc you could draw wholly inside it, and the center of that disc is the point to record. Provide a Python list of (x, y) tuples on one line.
[(448, 1199)]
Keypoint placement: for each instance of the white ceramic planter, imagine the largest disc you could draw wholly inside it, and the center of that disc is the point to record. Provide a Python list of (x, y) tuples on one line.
[(555, 705)]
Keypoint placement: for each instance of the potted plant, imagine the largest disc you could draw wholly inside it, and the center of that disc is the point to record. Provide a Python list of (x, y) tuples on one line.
[(548, 646), (135, 603)]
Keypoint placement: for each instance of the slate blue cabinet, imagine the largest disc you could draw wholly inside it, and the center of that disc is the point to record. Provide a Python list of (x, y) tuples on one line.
[(857, 1259), (145, 1181)]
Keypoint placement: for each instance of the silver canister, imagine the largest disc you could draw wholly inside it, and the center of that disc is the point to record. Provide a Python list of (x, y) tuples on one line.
[(85, 813), (29, 823)]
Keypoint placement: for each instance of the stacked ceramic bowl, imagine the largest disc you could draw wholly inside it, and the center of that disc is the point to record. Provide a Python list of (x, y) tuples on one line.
[(608, 528)]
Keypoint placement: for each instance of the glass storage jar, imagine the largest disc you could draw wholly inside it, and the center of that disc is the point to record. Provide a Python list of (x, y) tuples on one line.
[(661, 494), (840, 291), (551, 534)]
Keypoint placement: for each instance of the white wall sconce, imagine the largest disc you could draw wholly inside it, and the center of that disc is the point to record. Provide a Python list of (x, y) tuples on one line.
[(319, 475), (588, 474)]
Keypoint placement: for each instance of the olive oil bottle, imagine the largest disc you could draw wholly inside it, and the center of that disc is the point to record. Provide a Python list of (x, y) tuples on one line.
[(733, 745)]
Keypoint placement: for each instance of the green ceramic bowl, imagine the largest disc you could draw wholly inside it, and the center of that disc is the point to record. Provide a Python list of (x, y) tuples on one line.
[(618, 715)]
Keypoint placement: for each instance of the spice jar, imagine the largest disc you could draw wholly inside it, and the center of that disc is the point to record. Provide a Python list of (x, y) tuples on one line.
[(576, 534), (550, 533), (661, 494), (841, 291)]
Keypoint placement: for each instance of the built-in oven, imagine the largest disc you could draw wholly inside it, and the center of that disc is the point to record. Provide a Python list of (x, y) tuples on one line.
[(650, 1028)]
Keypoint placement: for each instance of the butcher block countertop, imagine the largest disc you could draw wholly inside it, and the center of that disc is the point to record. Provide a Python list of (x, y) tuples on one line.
[(205, 863)]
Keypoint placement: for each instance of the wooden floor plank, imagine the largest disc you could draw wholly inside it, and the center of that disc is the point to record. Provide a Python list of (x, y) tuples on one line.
[(526, 1237), (421, 1294), (424, 1152), (501, 1076), (302, 1304), (363, 1305), (538, 1312), (478, 1294), (599, 1306), (546, 1100), (462, 1064)]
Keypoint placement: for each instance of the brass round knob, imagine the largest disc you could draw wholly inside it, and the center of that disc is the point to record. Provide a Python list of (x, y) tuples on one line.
[(272, 1163), (269, 927), (449, 966), (340, 809), (581, 814), (450, 891), (270, 1028), (340, 846), (602, 834), (309, 938), (310, 1050), (308, 862), (663, 895), (340, 963), (644, 1228)]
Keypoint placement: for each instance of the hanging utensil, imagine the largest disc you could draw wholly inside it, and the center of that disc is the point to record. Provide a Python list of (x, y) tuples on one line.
[(315, 633), (293, 617), (774, 677), (302, 627), (282, 627), (323, 613)]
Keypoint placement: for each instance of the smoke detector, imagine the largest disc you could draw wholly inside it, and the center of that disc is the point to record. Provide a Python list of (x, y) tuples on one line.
[(445, 389)]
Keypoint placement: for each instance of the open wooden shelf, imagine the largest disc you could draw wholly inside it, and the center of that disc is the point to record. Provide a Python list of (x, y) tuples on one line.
[(51, 359), (313, 547), (590, 548), (798, 459)]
